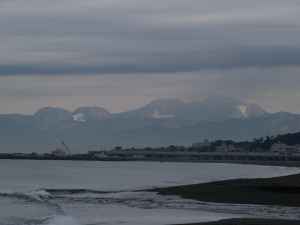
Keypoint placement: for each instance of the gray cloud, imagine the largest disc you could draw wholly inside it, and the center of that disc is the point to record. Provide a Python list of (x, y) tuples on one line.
[(276, 89), (61, 37), (52, 50)]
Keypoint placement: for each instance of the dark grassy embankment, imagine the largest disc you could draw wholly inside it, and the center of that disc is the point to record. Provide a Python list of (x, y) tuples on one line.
[(250, 222), (284, 191)]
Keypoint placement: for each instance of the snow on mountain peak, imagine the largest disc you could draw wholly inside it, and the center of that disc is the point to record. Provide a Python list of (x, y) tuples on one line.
[(84, 114), (243, 110), (157, 115), (79, 117)]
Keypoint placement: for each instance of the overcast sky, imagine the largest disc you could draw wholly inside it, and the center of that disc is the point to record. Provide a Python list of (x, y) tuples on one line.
[(121, 54)]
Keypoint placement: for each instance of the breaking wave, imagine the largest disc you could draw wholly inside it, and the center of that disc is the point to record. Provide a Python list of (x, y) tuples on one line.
[(41, 195), (54, 198), (35, 195)]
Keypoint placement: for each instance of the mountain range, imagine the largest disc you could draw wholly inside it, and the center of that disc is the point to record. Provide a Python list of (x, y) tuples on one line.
[(161, 122)]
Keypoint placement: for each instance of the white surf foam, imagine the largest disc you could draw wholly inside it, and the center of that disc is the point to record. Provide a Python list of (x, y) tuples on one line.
[(35, 195)]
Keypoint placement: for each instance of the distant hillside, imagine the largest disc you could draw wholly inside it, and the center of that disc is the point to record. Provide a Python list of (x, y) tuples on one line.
[(289, 139)]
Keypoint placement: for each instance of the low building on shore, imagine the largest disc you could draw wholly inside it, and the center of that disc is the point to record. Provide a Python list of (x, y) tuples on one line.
[(283, 148), (59, 153), (227, 148)]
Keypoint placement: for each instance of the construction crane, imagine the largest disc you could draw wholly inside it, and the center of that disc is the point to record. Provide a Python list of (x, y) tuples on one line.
[(66, 147)]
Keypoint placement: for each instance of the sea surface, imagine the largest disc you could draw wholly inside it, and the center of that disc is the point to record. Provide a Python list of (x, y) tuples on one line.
[(113, 193)]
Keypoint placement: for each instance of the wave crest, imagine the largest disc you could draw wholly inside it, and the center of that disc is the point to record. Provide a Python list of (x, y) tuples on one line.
[(35, 195)]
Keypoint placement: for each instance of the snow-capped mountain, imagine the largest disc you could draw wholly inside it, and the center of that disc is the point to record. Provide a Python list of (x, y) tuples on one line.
[(84, 114), (250, 110), (157, 109), (175, 110), (211, 109), (48, 117), (221, 108)]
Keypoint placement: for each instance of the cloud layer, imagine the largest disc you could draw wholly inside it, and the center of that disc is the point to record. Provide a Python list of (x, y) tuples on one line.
[(276, 89), (130, 36), (123, 53)]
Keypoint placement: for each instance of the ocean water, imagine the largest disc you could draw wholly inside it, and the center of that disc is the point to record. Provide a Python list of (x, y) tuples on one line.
[(111, 193)]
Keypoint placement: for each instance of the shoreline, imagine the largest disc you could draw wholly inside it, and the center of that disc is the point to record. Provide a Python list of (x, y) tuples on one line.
[(87, 158)]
